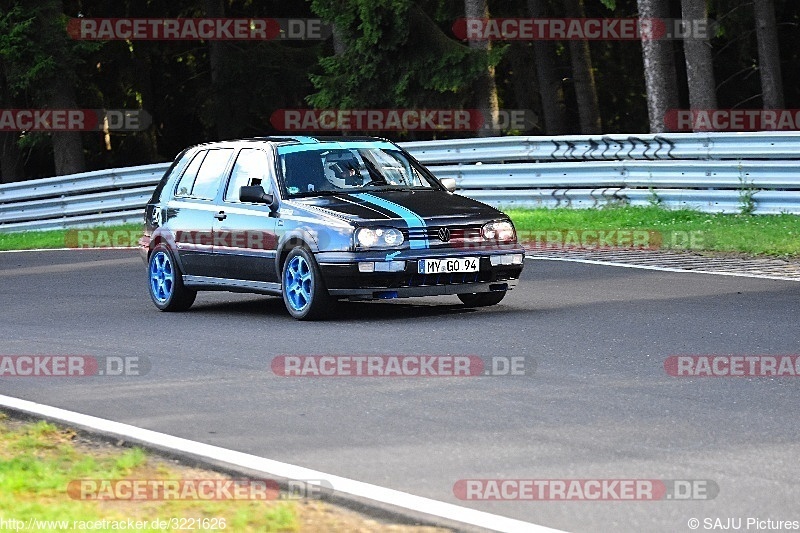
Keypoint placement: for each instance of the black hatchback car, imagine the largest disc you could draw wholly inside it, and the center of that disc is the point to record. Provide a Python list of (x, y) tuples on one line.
[(315, 220)]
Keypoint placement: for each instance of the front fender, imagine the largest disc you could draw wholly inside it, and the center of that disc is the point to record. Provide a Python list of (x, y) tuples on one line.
[(292, 239), (317, 239)]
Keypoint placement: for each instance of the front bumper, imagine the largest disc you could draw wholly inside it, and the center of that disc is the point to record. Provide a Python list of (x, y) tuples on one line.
[(343, 278)]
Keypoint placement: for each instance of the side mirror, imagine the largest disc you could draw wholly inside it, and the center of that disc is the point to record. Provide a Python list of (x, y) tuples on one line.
[(256, 195), (449, 184)]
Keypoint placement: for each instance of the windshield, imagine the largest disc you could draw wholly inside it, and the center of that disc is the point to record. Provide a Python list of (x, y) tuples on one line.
[(312, 170)]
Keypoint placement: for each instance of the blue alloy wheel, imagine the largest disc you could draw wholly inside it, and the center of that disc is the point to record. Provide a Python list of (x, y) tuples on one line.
[(166, 282), (298, 280), (303, 288), (162, 276)]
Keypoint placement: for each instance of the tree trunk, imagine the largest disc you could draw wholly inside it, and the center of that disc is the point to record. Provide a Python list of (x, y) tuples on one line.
[(11, 168), (550, 92), (67, 145), (224, 119), (582, 73), (526, 91), (699, 63), (659, 68), (485, 87), (339, 46), (769, 63), (60, 93), (144, 66)]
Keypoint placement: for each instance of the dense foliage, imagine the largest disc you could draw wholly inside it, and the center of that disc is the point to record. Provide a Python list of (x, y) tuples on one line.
[(388, 54)]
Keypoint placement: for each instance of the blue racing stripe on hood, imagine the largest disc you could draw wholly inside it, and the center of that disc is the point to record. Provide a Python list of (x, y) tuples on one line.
[(411, 218)]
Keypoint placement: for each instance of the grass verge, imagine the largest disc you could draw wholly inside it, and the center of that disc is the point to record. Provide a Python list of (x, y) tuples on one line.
[(106, 236), (38, 461), (770, 235)]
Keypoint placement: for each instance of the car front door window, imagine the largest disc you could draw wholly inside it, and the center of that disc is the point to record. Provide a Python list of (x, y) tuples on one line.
[(250, 169)]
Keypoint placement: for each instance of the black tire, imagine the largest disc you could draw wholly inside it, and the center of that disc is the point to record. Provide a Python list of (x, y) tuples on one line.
[(482, 299), (165, 281), (302, 286)]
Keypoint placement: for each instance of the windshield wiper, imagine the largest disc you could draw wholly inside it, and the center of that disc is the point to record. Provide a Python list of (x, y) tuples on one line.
[(306, 194), (379, 183), (388, 187)]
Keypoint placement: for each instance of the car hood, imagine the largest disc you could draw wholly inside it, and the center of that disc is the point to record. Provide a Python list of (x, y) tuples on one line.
[(397, 208)]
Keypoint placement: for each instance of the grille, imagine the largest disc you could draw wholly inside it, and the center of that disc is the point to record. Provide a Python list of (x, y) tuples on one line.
[(459, 235)]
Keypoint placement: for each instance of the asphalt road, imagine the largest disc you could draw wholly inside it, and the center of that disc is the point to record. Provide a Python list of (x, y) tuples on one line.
[(599, 405)]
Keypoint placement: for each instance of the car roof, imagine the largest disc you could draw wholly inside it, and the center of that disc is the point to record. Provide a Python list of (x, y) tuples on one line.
[(294, 139)]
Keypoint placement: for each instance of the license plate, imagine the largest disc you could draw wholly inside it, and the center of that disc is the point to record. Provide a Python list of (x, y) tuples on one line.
[(448, 266)]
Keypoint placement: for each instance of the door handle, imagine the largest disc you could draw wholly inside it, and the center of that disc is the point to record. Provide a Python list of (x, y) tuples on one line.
[(221, 215)]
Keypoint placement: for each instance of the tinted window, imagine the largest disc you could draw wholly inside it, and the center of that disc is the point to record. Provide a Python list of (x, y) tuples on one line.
[(210, 174), (176, 167), (187, 180), (250, 169)]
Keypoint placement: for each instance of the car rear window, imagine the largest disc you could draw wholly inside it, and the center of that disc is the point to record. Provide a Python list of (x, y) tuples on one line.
[(184, 187), (210, 173), (202, 176)]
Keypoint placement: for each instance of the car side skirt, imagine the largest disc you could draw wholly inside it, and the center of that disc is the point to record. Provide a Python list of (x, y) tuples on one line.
[(205, 283)]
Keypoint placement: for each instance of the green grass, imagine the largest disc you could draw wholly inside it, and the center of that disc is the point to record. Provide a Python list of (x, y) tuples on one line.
[(38, 461), (122, 235), (771, 235)]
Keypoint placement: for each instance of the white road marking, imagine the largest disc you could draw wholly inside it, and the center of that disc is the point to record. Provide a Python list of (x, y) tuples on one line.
[(662, 269), (67, 249), (279, 469)]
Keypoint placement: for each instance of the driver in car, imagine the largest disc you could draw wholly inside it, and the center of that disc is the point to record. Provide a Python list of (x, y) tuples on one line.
[(344, 174)]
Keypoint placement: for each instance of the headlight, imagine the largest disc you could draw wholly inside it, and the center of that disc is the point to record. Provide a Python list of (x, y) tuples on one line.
[(502, 231), (378, 237)]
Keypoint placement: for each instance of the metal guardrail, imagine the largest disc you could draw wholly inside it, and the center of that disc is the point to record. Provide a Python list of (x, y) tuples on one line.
[(131, 216), (675, 146), (708, 172), (117, 178), (84, 204), (115, 196), (632, 174)]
